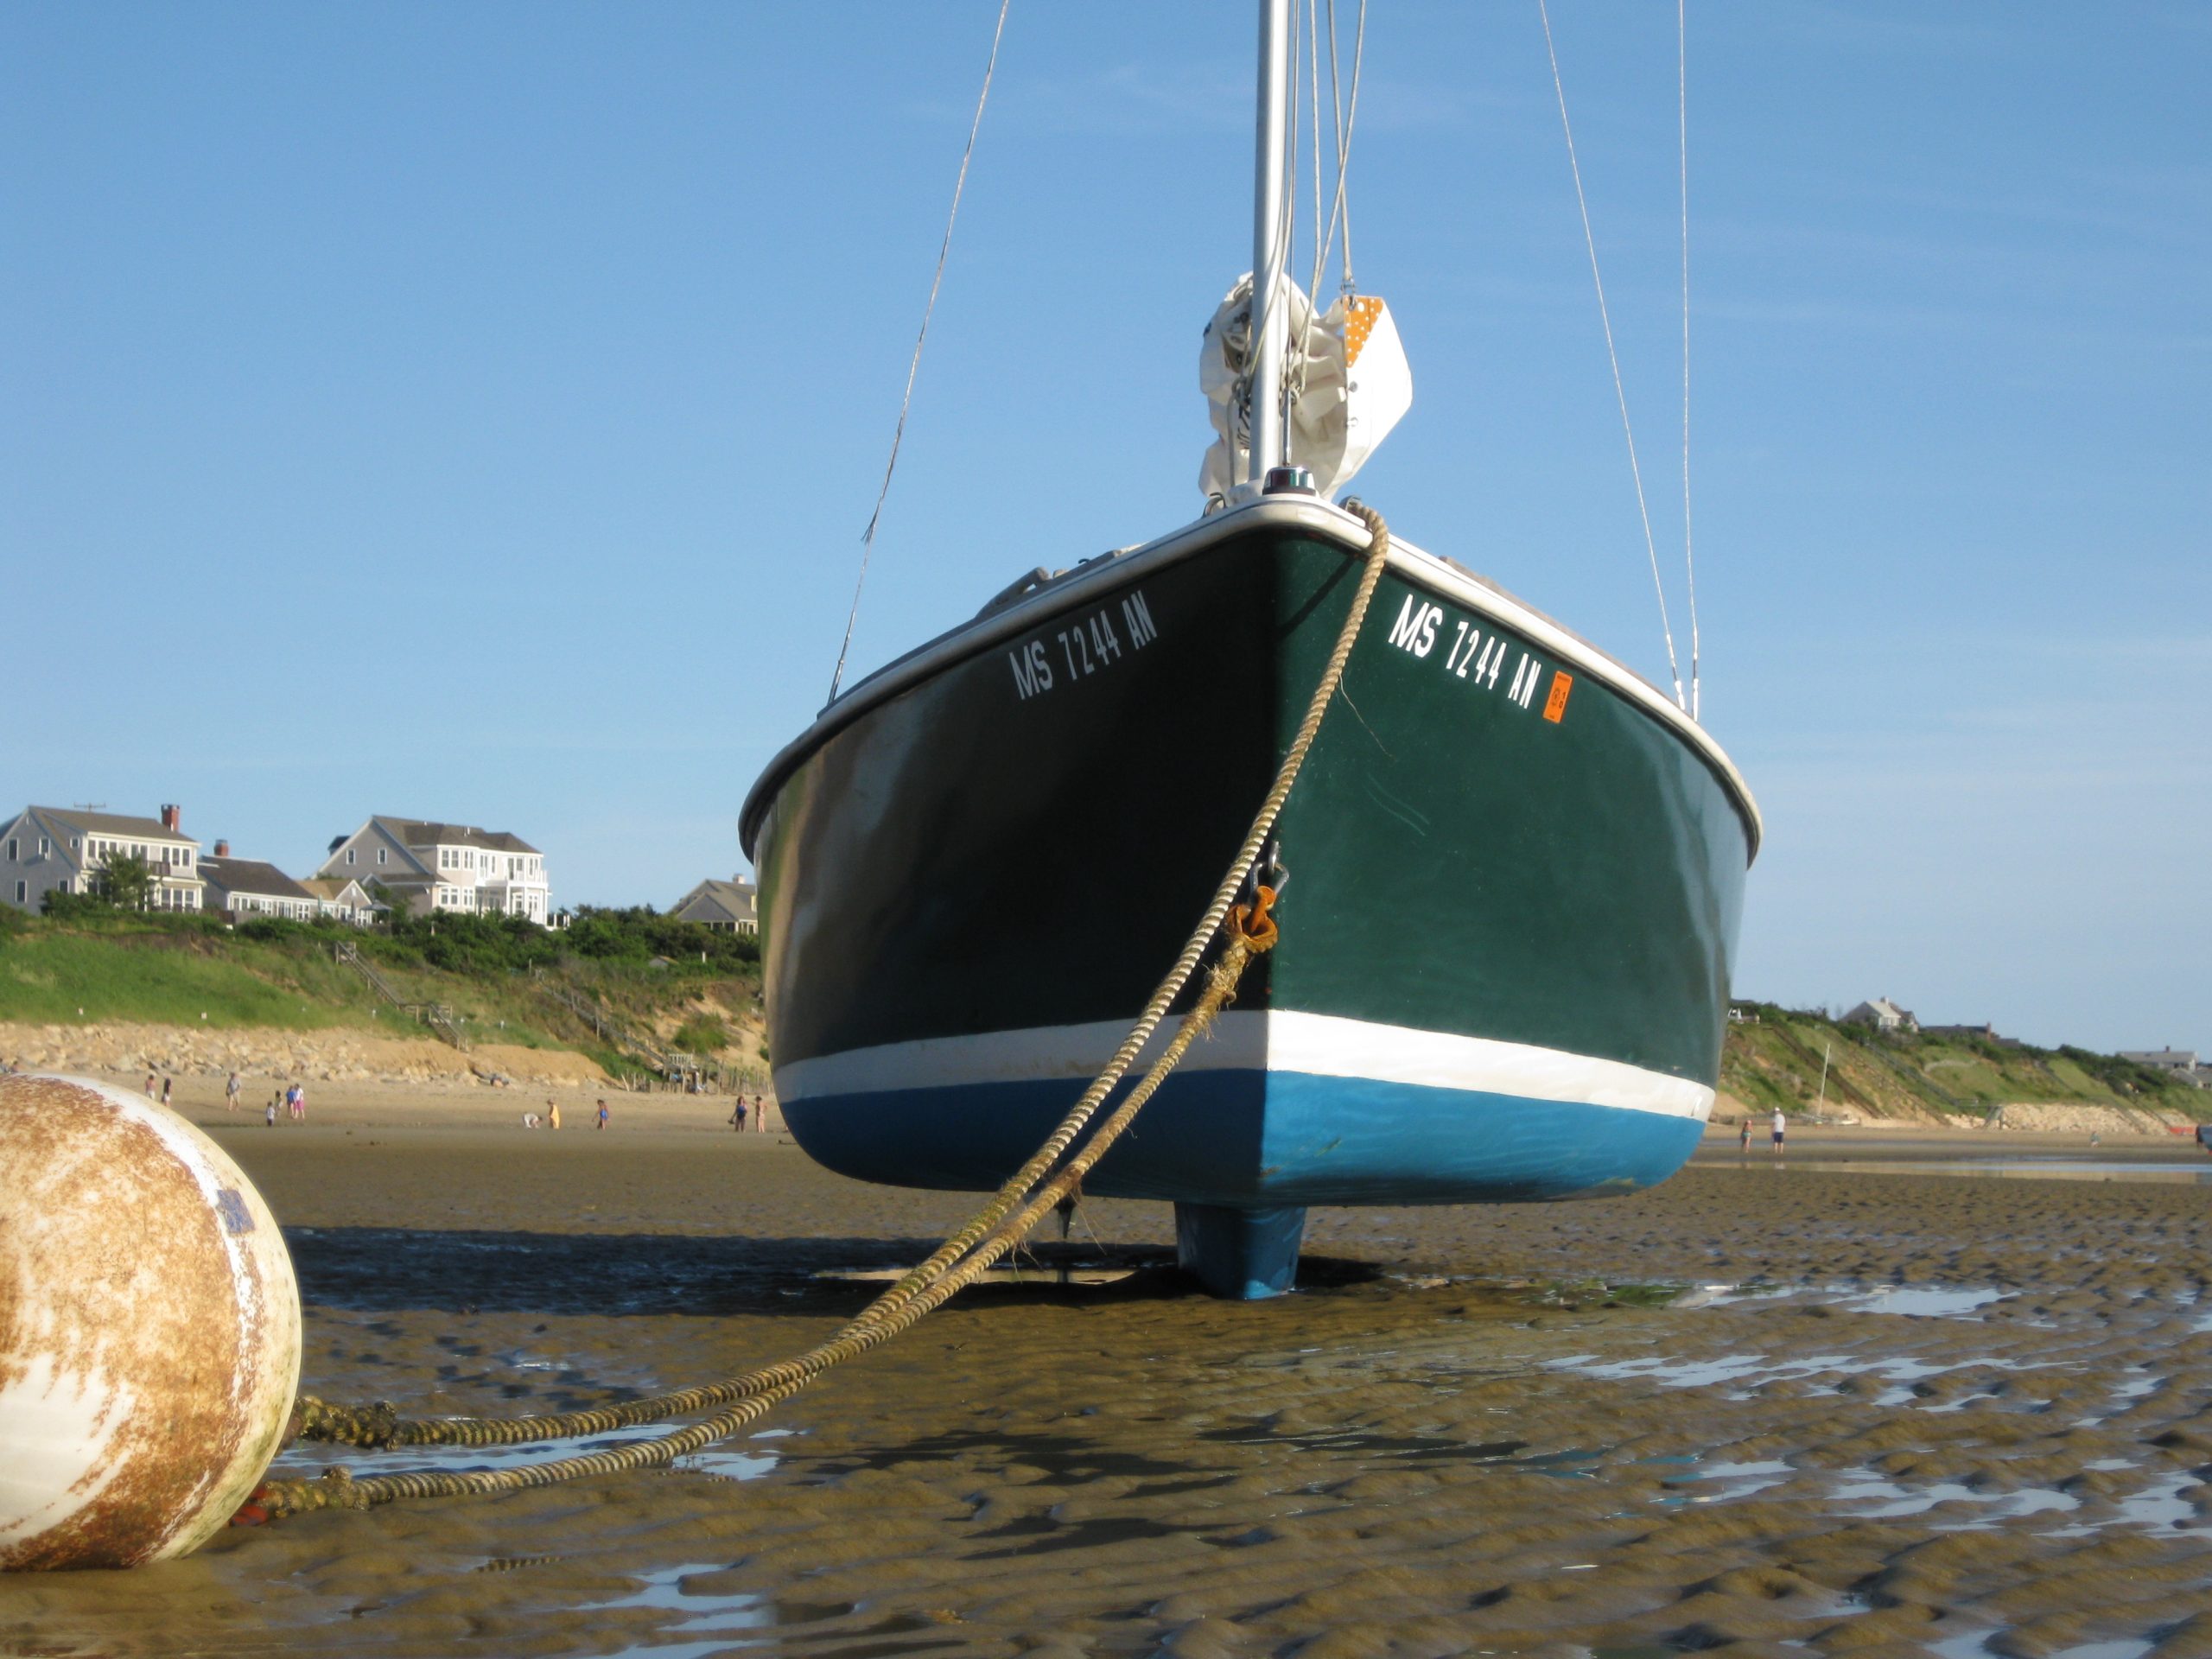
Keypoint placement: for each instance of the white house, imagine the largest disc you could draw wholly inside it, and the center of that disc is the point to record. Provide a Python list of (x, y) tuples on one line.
[(445, 867), (731, 906), (2179, 1064), (1883, 1015), (243, 888), (343, 898), (48, 848)]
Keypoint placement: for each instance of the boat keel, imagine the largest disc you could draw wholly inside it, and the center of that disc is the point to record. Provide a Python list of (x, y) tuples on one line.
[(1243, 1254)]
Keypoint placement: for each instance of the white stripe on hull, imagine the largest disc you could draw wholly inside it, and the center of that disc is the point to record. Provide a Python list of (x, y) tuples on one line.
[(1317, 1044)]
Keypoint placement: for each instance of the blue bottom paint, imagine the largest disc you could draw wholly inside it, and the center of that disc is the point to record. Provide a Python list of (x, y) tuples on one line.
[(1258, 1139), (1244, 1255)]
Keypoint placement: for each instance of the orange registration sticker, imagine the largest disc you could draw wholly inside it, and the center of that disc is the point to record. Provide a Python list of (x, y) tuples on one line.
[(1555, 700)]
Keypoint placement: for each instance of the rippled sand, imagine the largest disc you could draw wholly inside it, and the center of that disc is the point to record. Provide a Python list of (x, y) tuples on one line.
[(1935, 1415)]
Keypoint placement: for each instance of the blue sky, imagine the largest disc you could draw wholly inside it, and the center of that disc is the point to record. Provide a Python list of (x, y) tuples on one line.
[(473, 412)]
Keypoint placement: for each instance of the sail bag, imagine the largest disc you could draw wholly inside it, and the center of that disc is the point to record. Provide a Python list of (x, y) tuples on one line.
[(1348, 385)]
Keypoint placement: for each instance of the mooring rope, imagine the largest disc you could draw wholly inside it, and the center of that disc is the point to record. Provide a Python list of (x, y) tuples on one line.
[(1013, 1212)]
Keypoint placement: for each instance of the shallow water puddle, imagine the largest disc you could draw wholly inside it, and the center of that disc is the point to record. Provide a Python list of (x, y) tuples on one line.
[(1758, 1368), (1889, 1499), (2163, 1503), (1926, 1301), (2034, 1169), (1976, 1645), (711, 1612), (1922, 1301), (1730, 1480)]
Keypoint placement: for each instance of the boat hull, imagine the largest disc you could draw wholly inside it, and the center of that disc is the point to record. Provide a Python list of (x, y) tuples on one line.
[(1512, 893)]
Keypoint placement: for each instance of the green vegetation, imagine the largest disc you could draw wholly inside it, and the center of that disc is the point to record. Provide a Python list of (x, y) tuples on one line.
[(126, 880), (702, 1033), (504, 979), (1774, 1058)]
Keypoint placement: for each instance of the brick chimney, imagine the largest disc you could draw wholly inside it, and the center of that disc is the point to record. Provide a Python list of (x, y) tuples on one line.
[(222, 849), (172, 817)]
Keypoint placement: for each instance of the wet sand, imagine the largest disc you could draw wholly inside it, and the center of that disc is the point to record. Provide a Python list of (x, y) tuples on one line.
[(1939, 1414)]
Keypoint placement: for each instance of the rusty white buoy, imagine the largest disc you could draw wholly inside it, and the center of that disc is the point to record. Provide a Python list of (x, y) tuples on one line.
[(149, 1328)]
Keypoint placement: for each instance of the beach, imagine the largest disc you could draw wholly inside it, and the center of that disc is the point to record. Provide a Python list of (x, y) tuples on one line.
[(1759, 1409)]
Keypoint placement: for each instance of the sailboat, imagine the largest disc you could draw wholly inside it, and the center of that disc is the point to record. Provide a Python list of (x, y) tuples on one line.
[(1509, 880)]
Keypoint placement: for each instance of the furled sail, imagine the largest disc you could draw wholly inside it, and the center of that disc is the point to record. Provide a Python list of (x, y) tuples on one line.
[(1348, 380)]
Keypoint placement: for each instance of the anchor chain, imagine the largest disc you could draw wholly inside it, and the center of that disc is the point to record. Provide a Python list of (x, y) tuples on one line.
[(1012, 1213)]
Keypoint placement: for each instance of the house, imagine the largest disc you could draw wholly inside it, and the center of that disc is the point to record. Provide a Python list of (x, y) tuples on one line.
[(731, 906), (1883, 1015), (343, 898), (243, 888), (2179, 1064), (444, 867), (46, 849)]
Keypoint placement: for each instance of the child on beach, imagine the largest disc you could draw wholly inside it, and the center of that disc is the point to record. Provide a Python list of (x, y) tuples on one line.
[(737, 1116), (552, 1113), (166, 1082), (603, 1116), (269, 1115), (230, 1093)]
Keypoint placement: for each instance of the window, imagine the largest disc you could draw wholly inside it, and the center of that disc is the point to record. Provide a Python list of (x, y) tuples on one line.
[(349, 855), (379, 854), (11, 850), (44, 846), (22, 893), (76, 843)]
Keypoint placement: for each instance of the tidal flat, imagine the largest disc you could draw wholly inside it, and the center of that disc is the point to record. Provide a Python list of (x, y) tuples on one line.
[(1757, 1410)]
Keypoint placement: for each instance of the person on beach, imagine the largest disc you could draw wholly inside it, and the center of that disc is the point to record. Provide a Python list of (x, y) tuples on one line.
[(760, 1115), (1744, 1136), (269, 1115), (166, 1082), (1780, 1124), (149, 1085), (552, 1113), (603, 1116), (737, 1116), (230, 1093)]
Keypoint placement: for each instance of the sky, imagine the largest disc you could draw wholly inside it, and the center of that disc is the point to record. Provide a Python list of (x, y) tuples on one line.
[(473, 413)]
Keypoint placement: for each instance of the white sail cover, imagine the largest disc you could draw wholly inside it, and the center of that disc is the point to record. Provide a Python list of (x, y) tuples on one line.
[(1350, 384)]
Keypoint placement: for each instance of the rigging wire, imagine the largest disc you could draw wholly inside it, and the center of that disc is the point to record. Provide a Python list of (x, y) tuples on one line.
[(1682, 151), (1340, 209), (1620, 393), (913, 368)]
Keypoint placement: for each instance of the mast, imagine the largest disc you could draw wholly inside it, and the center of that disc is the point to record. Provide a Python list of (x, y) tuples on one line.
[(1270, 243)]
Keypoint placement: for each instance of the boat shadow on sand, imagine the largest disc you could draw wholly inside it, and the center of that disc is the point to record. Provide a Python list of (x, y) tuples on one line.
[(385, 1269)]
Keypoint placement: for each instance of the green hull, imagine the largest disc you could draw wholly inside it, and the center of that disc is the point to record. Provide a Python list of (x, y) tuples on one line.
[(1514, 878)]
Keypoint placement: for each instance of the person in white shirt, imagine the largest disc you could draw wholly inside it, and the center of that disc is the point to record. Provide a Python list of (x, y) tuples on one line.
[(1780, 1124)]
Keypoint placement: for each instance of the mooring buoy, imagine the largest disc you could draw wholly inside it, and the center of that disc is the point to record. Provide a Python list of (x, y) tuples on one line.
[(149, 1328)]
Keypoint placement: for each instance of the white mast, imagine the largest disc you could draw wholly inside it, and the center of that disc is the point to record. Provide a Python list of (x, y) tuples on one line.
[(1270, 243)]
